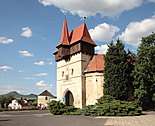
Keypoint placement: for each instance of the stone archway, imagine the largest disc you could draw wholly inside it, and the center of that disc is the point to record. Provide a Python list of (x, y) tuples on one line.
[(69, 99)]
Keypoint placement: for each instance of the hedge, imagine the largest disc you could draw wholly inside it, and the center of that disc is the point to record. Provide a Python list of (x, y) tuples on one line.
[(58, 108), (109, 106), (22, 109)]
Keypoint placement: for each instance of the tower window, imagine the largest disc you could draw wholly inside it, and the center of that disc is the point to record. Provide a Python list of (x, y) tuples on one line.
[(72, 71), (62, 73)]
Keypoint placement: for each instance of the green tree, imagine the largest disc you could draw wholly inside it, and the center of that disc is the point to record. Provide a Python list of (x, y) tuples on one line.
[(116, 71), (131, 65), (9, 99), (19, 101), (144, 73), (5, 100), (2, 101), (35, 103)]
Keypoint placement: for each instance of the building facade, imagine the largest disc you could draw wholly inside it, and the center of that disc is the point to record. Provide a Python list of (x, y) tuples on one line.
[(79, 69), (14, 105), (44, 98)]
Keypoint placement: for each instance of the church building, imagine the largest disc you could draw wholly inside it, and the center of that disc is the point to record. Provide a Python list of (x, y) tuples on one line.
[(79, 69)]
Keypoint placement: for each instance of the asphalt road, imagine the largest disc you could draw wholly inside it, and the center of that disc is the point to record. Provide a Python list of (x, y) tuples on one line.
[(44, 118)]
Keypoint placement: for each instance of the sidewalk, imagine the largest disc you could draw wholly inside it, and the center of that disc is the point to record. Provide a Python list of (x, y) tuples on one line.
[(148, 119)]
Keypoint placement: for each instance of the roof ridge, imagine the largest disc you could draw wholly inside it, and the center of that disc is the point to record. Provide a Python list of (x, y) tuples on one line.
[(46, 93)]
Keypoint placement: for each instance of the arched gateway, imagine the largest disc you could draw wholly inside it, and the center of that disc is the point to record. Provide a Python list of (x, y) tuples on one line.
[(69, 99)]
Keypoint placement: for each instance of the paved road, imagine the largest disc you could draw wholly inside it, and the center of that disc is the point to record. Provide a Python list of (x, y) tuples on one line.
[(44, 118)]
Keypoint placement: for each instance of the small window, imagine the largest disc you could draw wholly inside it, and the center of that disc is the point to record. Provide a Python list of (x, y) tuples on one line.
[(45, 98), (62, 73), (72, 71)]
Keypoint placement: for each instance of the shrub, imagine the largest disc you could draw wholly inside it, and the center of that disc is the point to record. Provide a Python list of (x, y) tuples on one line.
[(108, 106), (58, 108), (76, 112), (27, 108)]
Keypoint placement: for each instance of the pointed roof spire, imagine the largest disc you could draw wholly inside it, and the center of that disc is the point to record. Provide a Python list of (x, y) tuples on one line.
[(65, 34), (81, 33)]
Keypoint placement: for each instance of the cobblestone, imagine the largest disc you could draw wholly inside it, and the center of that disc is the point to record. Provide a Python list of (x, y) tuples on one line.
[(148, 119)]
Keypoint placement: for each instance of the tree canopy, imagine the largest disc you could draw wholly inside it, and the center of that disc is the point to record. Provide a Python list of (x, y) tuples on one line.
[(117, 71), (144, 73), (5, 100)]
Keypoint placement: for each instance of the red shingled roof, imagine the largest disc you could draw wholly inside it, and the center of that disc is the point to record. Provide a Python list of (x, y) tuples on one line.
[(24, 104), (81, 33), (55, 51), (96, 63), (65, 35)]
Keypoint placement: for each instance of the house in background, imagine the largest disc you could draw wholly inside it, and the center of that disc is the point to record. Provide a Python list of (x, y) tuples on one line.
[(44, 98), (14, 105), (24, 104)]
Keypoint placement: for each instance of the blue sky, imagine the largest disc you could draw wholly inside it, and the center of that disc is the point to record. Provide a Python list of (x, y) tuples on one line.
[(31, 29)]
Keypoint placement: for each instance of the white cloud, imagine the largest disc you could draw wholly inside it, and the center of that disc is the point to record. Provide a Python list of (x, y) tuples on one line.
[(50, 63), (8, 88), (101, 49), (136, 30), (42, 74), (5, 40), (29, 78), (26, 32), (20, 71), (5, 68), (41, 83), (41, 63), (43, 86), (103, 32), (25, 53), (91, 7)]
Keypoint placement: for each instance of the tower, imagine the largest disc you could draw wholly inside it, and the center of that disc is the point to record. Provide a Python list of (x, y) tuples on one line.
[(73, 55)]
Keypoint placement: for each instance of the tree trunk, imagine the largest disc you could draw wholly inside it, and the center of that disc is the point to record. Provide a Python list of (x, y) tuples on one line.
[(130, 92), (147, 101)]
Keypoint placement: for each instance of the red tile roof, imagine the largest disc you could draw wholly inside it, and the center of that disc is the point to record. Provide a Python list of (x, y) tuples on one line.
[(24, 104), (96, 63), (81, 33), (55, 51), (65, 35)]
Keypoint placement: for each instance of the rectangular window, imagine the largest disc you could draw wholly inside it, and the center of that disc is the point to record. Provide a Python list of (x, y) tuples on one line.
[(45, 98)]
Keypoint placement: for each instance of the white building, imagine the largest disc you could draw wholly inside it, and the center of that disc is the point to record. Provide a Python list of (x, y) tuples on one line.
[(14, 105)]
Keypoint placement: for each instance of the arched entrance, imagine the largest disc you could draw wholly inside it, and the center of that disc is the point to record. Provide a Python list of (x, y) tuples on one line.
[(69, 99)]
